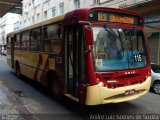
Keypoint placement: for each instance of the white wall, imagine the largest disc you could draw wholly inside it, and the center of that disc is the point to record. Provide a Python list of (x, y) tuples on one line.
[(7, 25), (31, 9), (0, 32), (11, 19)]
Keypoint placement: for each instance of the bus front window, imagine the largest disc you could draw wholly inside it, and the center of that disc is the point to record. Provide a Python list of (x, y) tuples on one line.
[(118, 49)]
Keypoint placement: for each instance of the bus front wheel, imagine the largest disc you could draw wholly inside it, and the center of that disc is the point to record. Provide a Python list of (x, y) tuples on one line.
[(54, 87)]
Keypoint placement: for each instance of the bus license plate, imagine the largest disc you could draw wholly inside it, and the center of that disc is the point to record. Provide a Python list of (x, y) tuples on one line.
[(129, 92)]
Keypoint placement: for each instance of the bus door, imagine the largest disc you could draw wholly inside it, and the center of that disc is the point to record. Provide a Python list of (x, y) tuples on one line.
[(73, 55), (12, 51)]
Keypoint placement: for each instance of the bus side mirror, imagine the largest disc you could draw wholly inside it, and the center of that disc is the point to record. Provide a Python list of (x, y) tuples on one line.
[(88, 32)]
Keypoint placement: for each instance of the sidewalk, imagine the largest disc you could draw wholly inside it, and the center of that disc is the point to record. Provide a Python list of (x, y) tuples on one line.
[(11, 108)]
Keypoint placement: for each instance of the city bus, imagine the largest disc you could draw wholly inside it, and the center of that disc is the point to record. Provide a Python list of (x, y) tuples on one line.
[(93, 55)]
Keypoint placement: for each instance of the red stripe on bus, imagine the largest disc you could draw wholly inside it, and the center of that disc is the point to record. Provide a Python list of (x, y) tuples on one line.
[(38, 67), (44, 72)]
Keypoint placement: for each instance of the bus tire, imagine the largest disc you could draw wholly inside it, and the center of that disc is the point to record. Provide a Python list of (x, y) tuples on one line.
[(54, 86), (156, 87), (18, 71)]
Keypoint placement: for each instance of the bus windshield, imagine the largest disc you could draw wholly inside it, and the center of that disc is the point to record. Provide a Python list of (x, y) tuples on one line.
[(118, 48)]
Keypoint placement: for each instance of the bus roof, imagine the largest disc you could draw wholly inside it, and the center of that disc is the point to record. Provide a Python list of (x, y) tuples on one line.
[(81, 14)]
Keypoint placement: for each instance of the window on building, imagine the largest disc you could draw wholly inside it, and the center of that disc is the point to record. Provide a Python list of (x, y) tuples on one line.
[(52, 38), (45, 15), (25, 23), (20, 24), (29, 20), (26, 14), (53, 11), (95, 2), (36, 35), (77, 4), (38, 17), (29, 4), (46, 0), (61, 8), (33, 19), (3, 39), (36, 3), (152, 17)]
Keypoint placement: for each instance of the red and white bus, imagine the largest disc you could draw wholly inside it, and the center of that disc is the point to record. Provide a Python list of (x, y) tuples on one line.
[(92, 55)]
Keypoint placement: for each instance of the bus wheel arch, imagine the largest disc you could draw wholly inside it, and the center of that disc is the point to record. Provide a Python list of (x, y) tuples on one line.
[(53, 83), (18, 70)]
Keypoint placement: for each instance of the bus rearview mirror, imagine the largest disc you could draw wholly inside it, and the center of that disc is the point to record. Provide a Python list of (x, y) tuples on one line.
[(88, 32)]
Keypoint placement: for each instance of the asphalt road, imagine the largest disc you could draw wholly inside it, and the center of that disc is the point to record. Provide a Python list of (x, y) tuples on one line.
[(37, 101)]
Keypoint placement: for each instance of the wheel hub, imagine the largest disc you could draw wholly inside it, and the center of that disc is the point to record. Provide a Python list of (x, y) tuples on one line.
[(157, 88)]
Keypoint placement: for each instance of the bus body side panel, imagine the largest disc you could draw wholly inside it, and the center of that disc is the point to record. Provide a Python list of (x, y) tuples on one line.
[(25, 63), (35, 65)]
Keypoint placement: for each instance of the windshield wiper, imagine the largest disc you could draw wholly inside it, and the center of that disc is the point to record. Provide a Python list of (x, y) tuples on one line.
[(134, 33), (120, 38), (111, 31), (113, 34)]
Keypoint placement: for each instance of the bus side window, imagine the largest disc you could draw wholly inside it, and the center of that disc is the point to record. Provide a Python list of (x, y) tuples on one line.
[(52, 38), (17, 42), (25, 41), (35, 37)]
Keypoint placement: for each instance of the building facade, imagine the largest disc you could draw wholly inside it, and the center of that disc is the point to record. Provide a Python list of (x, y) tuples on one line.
[(6, 26), (38, 10)]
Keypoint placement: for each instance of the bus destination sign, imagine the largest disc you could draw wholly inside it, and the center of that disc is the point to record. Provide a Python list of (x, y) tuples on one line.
[(114, 17)]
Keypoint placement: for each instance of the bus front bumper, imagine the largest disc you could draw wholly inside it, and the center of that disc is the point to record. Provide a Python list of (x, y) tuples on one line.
[(102, 95)]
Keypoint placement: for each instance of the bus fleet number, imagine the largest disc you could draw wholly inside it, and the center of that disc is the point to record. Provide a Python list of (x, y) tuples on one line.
[(137, 58)]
